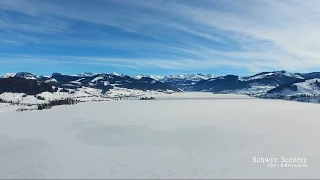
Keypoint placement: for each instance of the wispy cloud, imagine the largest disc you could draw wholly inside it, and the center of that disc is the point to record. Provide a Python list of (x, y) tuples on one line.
[(168, 34)]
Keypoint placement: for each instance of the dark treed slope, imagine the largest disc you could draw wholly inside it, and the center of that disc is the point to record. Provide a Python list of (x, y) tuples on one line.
[(21, 85)]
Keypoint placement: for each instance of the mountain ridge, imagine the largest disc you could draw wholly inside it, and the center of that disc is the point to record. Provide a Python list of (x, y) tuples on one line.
[(260, 85)]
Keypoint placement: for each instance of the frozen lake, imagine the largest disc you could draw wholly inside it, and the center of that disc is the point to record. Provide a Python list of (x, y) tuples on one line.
[(185, 135)]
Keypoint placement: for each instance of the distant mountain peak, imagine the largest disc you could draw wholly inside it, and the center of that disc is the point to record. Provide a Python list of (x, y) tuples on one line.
[(114, 73), (8, 75), (139, 76), (26, 75), (197, 76), (86, 74)]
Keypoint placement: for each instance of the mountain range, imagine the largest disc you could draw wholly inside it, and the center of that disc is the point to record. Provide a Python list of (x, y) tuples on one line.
[(275, 84)]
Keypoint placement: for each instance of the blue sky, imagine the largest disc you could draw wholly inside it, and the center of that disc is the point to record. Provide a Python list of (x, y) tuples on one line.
[(159, 36)]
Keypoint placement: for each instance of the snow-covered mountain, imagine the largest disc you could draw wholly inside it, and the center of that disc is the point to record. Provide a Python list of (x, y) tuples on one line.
[(32, 92), (184, 82), (106, 82), (25, 75), (261, 82), (198, 76), (232, 83), (276, 84), (139, 76), (8, 75), (22, 81), (86, 74), (273, 75)]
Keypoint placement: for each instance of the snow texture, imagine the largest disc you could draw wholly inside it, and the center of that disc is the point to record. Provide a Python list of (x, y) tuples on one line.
[(183, 135)]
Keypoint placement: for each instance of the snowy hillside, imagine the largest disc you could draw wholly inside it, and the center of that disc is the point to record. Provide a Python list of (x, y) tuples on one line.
[(308, 87), (302, 90), (85, 94)]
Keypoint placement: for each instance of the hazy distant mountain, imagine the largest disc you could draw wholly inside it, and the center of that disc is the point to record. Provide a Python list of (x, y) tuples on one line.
[(184, 82)]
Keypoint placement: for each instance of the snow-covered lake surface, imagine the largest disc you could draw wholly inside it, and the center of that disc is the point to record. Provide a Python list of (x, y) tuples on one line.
[(185, 135)]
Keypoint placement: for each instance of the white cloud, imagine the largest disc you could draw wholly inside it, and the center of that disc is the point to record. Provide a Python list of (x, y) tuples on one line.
[(256, 35)]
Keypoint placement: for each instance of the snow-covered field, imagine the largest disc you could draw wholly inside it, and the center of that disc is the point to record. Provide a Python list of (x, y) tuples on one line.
[(85, 94), (184, 135)]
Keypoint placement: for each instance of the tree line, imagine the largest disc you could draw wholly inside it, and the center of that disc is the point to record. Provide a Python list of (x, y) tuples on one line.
[(50, 104)]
